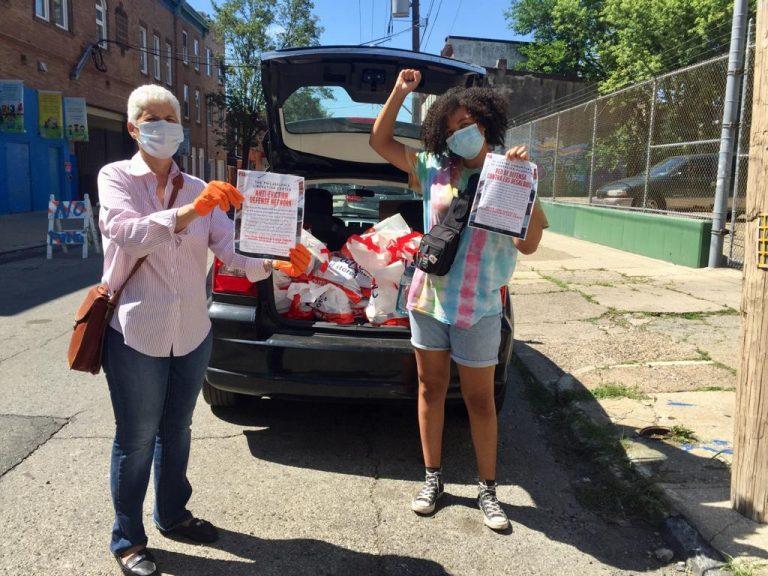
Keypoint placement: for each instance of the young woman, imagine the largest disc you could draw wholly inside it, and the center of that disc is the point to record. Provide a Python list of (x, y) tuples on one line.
[(457, 316)]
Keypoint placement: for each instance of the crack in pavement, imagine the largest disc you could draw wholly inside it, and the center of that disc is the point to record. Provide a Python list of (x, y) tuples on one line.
[(36, 448), (376, 465), (36, 345)]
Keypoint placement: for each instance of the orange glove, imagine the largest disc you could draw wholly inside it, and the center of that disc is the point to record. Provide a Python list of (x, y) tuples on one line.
[(218, 194), (299, 263)]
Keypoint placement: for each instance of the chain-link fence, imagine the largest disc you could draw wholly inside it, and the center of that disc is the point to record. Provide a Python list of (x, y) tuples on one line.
[(651, 147)]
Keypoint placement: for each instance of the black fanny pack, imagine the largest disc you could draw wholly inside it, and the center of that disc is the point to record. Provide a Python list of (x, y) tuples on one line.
[(438, 247)]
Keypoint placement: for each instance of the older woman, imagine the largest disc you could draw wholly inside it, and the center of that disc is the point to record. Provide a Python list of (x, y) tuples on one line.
[(159, 341)]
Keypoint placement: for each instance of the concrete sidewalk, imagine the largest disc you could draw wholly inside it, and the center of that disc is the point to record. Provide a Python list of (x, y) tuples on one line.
[(23, 231), (654, 344)]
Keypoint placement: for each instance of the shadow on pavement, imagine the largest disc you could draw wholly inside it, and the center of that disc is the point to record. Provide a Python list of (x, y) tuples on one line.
[(294, 557), (705, 480), (33, 280), (382, 441)]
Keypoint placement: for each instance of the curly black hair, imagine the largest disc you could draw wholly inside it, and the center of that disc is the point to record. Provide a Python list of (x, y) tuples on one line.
[(486, 106)]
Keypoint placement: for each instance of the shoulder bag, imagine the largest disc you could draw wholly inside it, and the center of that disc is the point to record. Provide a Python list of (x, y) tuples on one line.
[(438, 247)]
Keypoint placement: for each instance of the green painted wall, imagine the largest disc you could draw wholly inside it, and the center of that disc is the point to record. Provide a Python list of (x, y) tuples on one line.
[(682, 241)]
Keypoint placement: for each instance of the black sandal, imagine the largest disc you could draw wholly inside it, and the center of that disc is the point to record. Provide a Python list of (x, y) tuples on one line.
[(199, 531), (141, 563)]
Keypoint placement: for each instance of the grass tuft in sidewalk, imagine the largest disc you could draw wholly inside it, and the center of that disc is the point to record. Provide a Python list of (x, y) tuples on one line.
[(611, 390)]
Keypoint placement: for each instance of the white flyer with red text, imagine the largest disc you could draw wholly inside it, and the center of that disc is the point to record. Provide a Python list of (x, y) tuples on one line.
[(506, 194), (272, 215)]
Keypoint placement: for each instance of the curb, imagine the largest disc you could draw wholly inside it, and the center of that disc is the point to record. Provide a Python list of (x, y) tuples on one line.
[(700, 557)]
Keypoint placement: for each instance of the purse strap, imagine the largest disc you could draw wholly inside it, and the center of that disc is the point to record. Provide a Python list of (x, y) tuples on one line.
[(178, 182), (458, 211)]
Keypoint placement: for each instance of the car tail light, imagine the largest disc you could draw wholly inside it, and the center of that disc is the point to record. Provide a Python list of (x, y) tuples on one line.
[(353, 198), (229, 281)]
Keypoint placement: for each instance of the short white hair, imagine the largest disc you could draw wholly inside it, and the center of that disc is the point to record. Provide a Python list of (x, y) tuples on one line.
[(145, 95)]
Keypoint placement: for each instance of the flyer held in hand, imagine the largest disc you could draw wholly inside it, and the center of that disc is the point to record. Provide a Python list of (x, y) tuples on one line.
[(505, 196), (272, 215)]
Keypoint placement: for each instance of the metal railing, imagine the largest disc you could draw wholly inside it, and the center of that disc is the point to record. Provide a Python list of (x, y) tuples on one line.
[(650, 147)]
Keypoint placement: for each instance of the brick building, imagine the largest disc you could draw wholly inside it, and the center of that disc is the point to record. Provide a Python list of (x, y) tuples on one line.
[(50, 45)]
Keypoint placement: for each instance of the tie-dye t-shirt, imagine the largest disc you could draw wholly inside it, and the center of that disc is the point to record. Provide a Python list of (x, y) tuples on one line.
[(484, 262)]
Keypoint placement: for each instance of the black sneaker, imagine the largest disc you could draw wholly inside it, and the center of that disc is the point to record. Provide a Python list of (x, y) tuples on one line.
[(493, 516), (433, 489)]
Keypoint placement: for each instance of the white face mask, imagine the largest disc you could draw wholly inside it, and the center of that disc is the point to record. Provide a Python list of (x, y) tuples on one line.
[(160, 139), (467, 142)]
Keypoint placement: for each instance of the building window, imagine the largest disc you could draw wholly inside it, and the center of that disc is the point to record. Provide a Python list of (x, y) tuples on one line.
[(186, 101), (156, 56), (101, 21), (61, 13), (197, 106), (193, 170), (196, 53), (143, 49), (221, 72), (168, 64), (209, 113), (208, 58), (121, 27), (41, 9), (184, 47)]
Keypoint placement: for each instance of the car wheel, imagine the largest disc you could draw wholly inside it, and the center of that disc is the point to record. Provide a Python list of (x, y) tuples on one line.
[(656, 203), (219, 398)]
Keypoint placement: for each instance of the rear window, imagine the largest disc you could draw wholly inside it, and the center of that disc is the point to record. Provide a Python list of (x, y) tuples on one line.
[(355, 202), (318, 109)]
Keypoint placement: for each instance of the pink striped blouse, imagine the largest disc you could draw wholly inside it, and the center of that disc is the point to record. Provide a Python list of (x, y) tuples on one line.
[(163, 308)]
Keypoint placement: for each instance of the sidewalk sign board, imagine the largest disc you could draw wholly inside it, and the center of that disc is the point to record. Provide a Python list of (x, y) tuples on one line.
[(79, 210)]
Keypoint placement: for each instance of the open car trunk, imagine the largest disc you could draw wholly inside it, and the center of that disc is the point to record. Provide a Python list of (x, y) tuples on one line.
[(321, 104)]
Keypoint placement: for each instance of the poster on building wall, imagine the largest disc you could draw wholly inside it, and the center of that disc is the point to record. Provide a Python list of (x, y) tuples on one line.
[(49, 116), (11, 106), (76, 118)]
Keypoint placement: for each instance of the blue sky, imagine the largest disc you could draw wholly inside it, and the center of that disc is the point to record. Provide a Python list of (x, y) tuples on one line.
[(356, 21)]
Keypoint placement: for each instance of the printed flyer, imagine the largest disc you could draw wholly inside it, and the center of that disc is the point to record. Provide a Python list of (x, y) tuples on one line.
[(272, 215), (505, 196), (11, 106), (77, 119), (50, 116)]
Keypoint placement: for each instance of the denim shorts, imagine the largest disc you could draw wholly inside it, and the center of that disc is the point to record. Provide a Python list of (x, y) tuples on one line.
[(474, 347)]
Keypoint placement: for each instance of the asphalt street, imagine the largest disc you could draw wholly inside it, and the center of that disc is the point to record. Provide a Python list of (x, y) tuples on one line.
[(296, 488)]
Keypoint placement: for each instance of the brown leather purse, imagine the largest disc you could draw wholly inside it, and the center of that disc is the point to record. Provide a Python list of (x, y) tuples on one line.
[(95, 313)]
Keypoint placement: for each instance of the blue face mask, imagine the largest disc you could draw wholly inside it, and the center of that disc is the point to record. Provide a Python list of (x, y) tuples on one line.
[(467, 142)]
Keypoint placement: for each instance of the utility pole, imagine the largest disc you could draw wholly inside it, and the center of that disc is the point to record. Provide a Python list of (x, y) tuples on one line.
[(727, 132), (749, 482), (415, 35)]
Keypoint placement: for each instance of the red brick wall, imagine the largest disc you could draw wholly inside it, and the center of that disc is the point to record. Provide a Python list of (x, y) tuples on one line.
[(26, 41)]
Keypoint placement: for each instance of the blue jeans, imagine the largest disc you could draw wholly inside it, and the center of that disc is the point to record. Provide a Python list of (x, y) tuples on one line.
[(153, 400)]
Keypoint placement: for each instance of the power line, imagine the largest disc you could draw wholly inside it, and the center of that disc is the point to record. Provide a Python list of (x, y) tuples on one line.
[(455, 16), (429, 14), (376, 41), (360, 20), (437, 15)]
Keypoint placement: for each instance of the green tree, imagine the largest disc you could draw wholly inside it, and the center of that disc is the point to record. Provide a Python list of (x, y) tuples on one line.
[(618, 42), (566, 35), (248, 28)]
